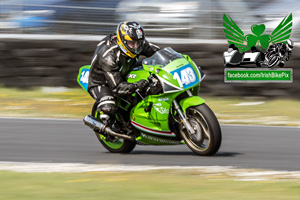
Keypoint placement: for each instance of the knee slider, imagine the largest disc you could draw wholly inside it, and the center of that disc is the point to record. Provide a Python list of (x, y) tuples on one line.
[(107, 105)]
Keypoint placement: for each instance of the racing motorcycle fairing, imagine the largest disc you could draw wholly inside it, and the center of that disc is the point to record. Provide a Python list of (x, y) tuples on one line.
[(83, 76), (176, 74)]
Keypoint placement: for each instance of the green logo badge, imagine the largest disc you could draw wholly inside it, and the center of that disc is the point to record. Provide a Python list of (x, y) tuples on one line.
[(259, 50), (235, 35)]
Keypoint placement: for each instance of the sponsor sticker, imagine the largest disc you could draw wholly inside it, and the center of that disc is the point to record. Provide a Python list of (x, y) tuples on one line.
[(139, 33)]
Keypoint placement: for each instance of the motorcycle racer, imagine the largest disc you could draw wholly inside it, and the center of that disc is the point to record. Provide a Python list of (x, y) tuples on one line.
[(168, 115), (114, 57), (282, 50)]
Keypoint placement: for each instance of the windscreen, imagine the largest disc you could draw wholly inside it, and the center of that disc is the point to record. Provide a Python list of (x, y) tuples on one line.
[(163, 57)]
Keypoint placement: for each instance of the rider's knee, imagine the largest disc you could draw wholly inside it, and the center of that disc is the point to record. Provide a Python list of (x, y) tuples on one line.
[(107, 105)]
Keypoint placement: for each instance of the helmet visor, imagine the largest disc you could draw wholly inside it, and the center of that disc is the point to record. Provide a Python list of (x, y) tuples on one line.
[(135, 46)]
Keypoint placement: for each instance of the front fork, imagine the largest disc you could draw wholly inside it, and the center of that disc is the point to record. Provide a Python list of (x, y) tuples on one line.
[(183, 119)]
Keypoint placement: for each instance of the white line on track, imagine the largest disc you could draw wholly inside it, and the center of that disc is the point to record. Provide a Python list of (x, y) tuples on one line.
[(81, 167), (228, 172)]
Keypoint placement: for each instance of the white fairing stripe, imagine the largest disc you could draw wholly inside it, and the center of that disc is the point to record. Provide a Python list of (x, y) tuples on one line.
[(164, 81)]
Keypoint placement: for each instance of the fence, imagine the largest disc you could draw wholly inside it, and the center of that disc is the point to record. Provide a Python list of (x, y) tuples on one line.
[(173, 19), (31, 63)]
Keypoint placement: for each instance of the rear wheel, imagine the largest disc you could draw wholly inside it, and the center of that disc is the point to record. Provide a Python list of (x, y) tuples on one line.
[(207, 138), (111, 143)]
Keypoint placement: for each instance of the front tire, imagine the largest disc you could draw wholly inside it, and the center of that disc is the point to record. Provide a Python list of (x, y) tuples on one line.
[(111, 143), (207, 138)]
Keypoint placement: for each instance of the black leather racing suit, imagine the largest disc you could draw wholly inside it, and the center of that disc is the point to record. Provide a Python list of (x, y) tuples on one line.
[(108, 69)]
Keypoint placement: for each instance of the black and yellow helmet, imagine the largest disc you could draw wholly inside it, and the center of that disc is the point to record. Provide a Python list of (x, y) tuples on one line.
[(131, 38)]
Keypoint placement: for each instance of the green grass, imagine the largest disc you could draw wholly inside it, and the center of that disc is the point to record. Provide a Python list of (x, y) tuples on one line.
[(139, 185), (271, 112), (76, 103), (73, 103)]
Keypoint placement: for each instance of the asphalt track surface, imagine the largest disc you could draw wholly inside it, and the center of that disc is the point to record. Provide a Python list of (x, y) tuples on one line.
[(70, 141)]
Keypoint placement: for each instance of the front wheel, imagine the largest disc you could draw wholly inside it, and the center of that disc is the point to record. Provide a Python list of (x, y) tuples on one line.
[(111, 143), (207, 138)]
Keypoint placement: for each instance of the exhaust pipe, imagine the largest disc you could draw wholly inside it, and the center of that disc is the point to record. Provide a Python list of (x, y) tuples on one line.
[(94, 124)]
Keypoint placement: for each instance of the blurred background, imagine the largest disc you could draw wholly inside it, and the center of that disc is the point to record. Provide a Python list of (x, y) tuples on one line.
[(44, 42), (197, 19)]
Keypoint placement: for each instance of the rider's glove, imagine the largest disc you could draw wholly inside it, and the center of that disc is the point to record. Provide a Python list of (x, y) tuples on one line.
[(125, 88), (141, 85)]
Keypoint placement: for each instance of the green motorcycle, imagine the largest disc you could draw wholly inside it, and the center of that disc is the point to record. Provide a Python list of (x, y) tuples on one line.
[(168, 112)]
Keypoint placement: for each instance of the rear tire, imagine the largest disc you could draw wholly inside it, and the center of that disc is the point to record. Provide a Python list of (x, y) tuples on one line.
[(111, 143), (207, 139), (116, 145)]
